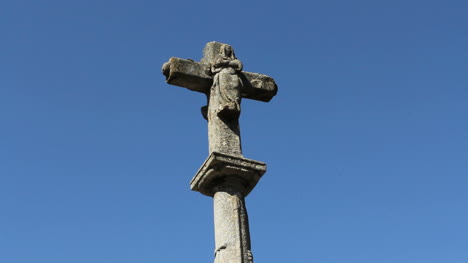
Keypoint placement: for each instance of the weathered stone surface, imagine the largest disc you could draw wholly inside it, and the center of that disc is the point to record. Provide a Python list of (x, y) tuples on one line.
[(258, 86), (228, 171), (226, 175), (194, 76), (221, 78), (211, 51), (187, 73), (232, 237), (224, 102)]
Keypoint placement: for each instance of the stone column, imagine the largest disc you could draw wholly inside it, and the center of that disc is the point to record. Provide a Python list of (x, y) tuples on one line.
[(229, 179), (232, 237)]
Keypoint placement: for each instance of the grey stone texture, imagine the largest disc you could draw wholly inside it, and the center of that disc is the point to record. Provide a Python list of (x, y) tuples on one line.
[(219, 75), (228, 171), (232, 237), (226, 175)]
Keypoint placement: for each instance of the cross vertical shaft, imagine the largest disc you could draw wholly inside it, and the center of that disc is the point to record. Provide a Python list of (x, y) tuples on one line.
[(226, 175), (223, 99)]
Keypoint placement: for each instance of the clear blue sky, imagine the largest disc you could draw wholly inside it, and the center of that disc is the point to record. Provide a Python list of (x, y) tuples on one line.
[(366, 141)]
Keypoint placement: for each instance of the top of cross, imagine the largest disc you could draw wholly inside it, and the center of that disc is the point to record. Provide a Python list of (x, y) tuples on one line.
[(196, 76)]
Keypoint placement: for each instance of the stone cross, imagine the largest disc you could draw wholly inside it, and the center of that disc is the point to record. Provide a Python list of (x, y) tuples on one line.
[(226, 175)]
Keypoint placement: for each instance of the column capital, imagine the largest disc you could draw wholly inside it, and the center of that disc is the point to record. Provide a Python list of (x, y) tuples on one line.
[(227, 171)]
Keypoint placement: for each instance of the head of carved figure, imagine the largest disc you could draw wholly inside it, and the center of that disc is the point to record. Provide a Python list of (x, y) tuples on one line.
[(228, 52)]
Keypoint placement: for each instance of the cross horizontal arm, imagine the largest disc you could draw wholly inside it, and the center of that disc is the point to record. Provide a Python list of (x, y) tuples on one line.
[(257, 86), (188, 74), (193, 76)]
